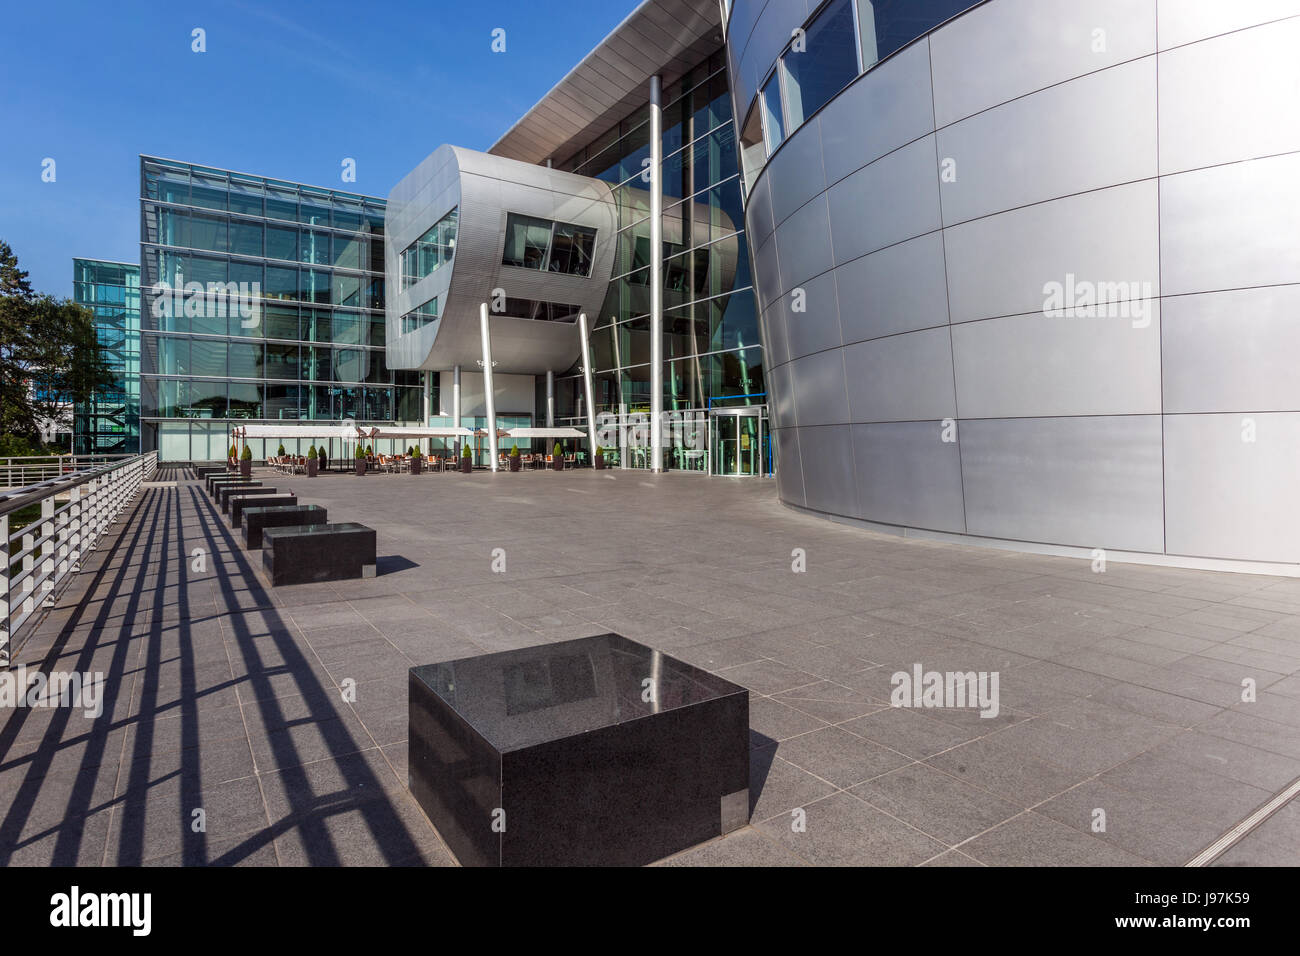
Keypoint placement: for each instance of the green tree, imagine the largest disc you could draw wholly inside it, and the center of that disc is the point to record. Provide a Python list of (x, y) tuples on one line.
[(49, 355)]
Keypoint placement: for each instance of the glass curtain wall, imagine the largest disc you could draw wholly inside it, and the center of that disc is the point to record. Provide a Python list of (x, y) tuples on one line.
[(110, 422), (262, 302), (712, 352)]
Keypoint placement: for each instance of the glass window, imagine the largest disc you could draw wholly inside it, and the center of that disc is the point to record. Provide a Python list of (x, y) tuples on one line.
[(281, 283), (316, 286), (281, 204), (208, 232), (770, 101), (431, 251), (572, 250), (281, 243), (347, 290), (245, 237), (208, 358), (315, 247), (245, 195), (348, 251), (245, 400), (822, 66), (280, 322), (527, 240), (247, 273), (245, 359)]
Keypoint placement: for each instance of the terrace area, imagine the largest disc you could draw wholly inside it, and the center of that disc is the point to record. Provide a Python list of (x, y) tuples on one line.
[(282, 714)]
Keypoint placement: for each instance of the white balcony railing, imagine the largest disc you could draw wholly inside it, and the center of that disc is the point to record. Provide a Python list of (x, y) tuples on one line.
[(47, 529)]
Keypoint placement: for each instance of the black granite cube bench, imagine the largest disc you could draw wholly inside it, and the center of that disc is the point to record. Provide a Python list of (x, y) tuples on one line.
[(226, 492), (310, 553), (203, 471), (595, 751), (241, 503), (216, 481), (259, 517)]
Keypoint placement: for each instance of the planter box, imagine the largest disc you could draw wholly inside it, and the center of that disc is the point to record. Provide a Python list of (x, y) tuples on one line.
[(313, 553), (240, 504), (246, 467), (361, 466), (466, 465), (599, 462), (557, 464), (587, 772), (260, 517), (417, 466), (313, 466), (515, 463)]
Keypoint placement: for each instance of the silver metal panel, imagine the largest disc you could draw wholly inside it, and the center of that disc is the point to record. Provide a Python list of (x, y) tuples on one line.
[(818, 387), (486, 189), (1040, 146), (901, 378), (789, 467), (828, 478), (781, 398), (775, 350), (817, 327), (1002, 265), (895, 198), (897, 289), (794, 174), (907, 475), (1231, 98), (1231, 227), (1032, 365), (758, 212), (1008, 48), (767, 276), (803, 245), (883, 110), (1184, 21), (1232, 351), (1227, 498), (1086, 482)]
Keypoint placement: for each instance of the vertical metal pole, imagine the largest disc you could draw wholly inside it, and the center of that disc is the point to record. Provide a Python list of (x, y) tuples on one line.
[(656, 276), (588, 389), (428, 409), (488, 395), (455, 405), (550, 398)]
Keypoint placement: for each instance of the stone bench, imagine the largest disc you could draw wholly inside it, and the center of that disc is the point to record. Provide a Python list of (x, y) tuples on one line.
[(313, 553), (216, 481), (225, 492), (258, 518), (241, 503), (596, 751)]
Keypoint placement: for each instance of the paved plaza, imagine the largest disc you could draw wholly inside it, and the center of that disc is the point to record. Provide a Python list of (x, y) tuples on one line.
[(243, 725)]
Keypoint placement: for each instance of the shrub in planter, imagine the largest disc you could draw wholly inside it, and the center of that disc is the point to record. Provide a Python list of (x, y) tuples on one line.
[(280, 452), (360, 460), (466, 462), (598, 459), (417, 462), (557, 458), (515, 460), (313, 464), (246, 462)]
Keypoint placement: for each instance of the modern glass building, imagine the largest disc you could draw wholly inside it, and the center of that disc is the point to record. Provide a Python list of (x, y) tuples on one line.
[(262, 302), (110, 422)]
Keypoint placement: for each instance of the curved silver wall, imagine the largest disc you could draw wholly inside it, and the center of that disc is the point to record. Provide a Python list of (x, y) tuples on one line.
[(1149, 147), (486, 189)]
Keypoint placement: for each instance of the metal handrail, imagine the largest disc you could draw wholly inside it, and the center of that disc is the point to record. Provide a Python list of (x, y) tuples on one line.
[(19, 472), (39, 559)]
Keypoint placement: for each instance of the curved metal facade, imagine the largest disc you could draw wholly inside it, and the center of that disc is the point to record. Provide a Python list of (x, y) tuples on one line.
[(937, 214), (486, 189)]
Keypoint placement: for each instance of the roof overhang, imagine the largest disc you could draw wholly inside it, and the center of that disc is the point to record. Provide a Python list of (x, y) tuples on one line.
[(660, 37)]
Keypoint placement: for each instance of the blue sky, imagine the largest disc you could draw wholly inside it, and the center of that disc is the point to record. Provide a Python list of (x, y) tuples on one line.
[(285, 89)]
